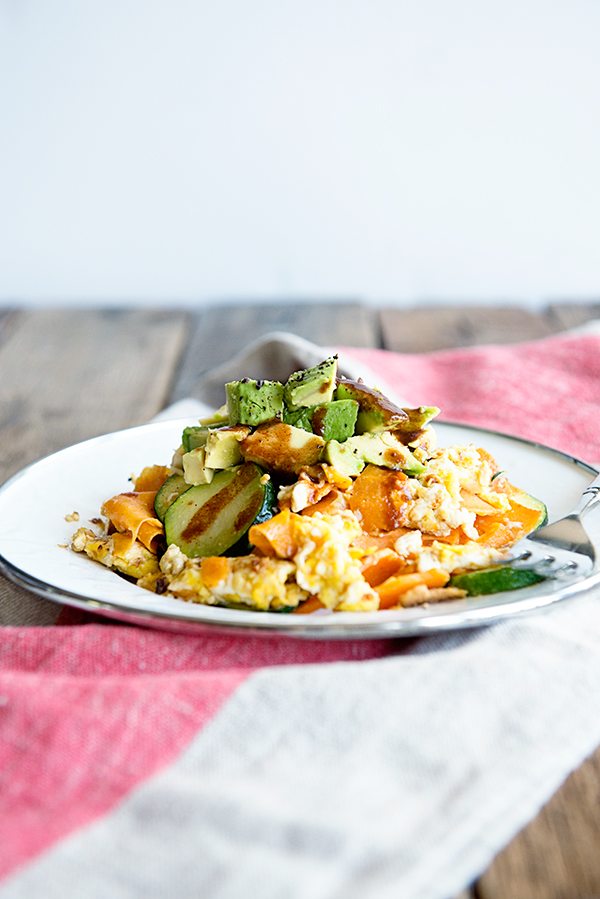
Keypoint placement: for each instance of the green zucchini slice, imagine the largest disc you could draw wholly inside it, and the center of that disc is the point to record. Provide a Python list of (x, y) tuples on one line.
[(269, 508), (530, 502), (208, 519), (171, 490), (495, 580)]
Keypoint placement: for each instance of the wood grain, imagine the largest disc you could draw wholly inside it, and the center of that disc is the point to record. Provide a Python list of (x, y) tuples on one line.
[(557, 856), (220, 332), (66, 376), (420, 330)]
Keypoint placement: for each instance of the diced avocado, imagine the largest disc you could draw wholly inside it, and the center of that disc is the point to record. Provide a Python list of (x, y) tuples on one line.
[(252, 402), (222, 449), (331, 421), (312, 386), (193, 437), (218, 418), (282, 447), (376, 412), (343, 458), (495, 580), (418, 418), (335, 420), (195, 470), (387, 451), (299, 418)]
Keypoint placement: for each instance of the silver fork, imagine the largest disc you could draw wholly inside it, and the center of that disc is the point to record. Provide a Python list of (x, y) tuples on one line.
[(563, 548)]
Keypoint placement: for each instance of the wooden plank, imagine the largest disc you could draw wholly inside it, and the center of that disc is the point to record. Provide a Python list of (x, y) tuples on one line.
[(66, 376), (571, 315), (222, 331), (557, 855), (420, 330)]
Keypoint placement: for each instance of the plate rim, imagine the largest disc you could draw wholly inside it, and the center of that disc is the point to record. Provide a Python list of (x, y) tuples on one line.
[(447, 618)]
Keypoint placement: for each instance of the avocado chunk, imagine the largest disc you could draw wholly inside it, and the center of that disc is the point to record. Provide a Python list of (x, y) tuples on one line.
[(376, 412), (418, 418), (252, 402), (343, 458), (193, 437), (222, 449), (331, 421), (219, 417), (387, 451), (279, 446), (312, 386), (195, 470), (300, 418), (383, 449)]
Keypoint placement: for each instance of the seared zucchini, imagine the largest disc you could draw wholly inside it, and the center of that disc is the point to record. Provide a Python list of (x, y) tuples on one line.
[(208, 519), (268, 509), (171, 490), (530, 502)]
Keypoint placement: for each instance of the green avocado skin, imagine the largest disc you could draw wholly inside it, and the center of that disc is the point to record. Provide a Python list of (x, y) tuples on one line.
[(495, 580)]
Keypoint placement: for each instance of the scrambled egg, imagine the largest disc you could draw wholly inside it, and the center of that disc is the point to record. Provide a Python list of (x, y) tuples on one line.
[(322, 566), (455, 487), (325, 566), (251, 581), (135, 562)]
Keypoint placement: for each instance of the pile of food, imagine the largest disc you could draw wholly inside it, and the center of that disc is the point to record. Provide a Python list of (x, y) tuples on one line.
[(316, 493)]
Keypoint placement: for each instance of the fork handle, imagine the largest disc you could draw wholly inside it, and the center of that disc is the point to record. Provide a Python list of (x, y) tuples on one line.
[(590, 497)]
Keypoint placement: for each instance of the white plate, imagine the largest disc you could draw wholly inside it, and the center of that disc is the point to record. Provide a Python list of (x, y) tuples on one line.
[(33, 505)]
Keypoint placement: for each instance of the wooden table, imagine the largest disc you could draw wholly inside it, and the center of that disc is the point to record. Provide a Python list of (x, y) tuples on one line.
[(69, 375)]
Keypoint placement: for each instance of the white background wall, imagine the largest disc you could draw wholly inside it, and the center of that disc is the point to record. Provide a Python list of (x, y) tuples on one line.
[(391, 150)]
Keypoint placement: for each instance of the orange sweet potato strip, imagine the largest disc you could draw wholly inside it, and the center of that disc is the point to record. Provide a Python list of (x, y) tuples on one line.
[(151, 478), (376, 498), (504, 528), (133, 516), (385, 566), (391, 590), (275, 537), (309, 605)]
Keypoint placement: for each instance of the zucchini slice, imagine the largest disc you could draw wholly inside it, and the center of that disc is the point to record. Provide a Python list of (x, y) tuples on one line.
[(208, 519), (171, 490), (268, 509), (530, 502), (495, 580)]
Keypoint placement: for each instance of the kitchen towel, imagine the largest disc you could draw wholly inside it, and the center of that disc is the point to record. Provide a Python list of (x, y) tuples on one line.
[(140, 763)]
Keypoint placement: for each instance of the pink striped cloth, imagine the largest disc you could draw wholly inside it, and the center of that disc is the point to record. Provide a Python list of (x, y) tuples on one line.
[(141, 763)]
